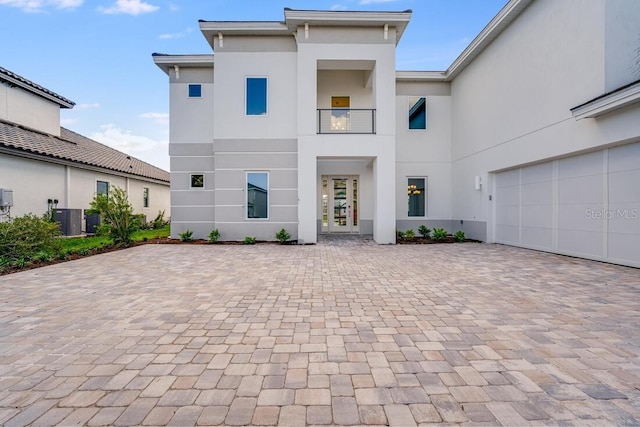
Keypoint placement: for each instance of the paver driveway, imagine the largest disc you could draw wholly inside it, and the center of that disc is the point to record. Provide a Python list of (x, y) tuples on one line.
[(331, 333)]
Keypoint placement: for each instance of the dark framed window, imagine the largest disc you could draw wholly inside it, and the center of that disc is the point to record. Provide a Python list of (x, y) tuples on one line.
[(145, 197), (102, 187), (416, 196), (417, 112), (257, 195), (197, 180), (256, 96), (195, 91)]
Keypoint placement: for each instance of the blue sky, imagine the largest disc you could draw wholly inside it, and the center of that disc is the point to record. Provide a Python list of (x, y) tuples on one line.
[(98, 52)]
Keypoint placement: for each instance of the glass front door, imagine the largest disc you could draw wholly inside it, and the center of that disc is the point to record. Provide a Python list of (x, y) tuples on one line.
[(340, 204)]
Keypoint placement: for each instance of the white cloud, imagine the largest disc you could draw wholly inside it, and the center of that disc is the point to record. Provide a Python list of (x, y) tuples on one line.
[(141, 147), (160, 118), (40, 5), (87, 106), (179, 35), (129, 7)]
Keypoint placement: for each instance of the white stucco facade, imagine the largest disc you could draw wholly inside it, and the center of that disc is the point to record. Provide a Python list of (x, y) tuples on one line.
[(546, 90)]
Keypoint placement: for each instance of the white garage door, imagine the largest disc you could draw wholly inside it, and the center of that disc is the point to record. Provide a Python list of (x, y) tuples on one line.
[(586, 205)]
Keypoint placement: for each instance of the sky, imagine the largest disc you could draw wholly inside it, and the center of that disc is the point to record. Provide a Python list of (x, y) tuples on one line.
[(97, 53)]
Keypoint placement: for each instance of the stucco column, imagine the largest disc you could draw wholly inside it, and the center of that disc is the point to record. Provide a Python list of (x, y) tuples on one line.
[(384, 219), (307, 197)]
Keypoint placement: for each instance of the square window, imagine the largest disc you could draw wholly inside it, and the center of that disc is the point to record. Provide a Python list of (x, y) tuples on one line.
[(197, 180), (195, 91), (257, 195), (102, 187), (145, 197), (416, 196), (256, 92), (417, 112)]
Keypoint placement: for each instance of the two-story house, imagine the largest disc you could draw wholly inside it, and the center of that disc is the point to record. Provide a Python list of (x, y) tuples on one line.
[(529, 138)]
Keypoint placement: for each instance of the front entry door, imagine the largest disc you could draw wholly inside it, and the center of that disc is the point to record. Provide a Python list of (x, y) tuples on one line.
[(342, 204)]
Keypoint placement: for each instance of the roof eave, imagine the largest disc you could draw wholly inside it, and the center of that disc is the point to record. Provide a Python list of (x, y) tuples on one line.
[(166, 62), (489, 33), (620, 98), (420, 76), (49, 95)]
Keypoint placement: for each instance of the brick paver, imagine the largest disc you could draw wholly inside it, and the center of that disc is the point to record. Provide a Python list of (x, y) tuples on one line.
[(344, 332)]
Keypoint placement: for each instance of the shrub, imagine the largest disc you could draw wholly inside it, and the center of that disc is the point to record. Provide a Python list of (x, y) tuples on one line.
[(459, 236), (401, 234), (424, 231), (118, 220), (282, 236), (248, 240), (23, 237), (186, 236), (214, 235), (409, 234), (159, 221), (439, 234)]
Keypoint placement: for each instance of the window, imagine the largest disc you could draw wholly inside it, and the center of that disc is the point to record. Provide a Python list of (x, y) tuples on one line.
[(257, 195), (256, 102), (417, 112), (195, 91), (416, 195), (145, 197), (102, 187), (197, 180)]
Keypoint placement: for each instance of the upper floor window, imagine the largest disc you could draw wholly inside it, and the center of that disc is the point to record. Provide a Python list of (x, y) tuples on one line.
[(197, 180), (417, 112), (102, 187), (145, 197), (256, 96), (195, 91)]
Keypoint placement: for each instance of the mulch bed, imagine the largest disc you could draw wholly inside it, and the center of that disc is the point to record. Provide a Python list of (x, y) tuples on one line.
[(429, 241)]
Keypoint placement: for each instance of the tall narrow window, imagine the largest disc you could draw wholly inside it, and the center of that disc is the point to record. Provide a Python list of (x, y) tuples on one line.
[(102, 187), (256, 93), (417, 112), (195, 91), (145, 197), (257, 195), (416, 196)]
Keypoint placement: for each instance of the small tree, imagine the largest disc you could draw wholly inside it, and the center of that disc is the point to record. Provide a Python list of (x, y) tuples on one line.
[(116, 213)]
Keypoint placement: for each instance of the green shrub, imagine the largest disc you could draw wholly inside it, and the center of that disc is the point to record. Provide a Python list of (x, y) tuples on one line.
[(159, 221), (186, 236), (282, 236), (401, 234), (214, 235), (459, 236), (116, 213), (424, 231), (248, 240), (23, 237), (409, 234), (439, 234)]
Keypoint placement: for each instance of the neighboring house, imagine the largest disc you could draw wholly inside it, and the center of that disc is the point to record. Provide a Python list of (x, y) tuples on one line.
[(49, 167), (530, 137)]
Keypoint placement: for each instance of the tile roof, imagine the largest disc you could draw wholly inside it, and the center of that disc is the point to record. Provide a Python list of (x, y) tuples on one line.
[(75, 148), (18, 80)]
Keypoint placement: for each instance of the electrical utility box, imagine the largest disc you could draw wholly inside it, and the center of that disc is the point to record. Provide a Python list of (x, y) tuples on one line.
[(6, 198), (70, 221)]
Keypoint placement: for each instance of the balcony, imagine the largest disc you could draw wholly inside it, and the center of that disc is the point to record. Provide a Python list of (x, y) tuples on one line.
[(347, 120)]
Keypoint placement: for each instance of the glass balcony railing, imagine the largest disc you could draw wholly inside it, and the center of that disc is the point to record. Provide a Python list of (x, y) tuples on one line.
[(347, 120)]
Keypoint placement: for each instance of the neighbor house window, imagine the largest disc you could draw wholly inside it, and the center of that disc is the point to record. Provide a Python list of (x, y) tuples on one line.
[(417, 112), (145, 197), (102, 187), (197, 180), (257, 195), (416, 196), (256, 92), (195, 91)]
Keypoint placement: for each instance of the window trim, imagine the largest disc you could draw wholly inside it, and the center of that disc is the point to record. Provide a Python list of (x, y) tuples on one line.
[(191, 174), (246, 196), (246, 96), (426, 121), (426, 204), (108, 186), (189, 90)]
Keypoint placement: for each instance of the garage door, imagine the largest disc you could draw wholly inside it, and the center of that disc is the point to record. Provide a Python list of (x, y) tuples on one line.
[(586, 205)]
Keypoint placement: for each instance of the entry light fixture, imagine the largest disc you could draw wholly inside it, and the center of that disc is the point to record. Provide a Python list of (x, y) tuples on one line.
[(478, 183)]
